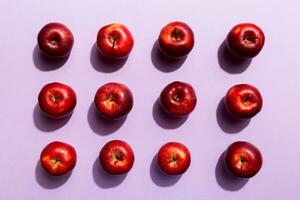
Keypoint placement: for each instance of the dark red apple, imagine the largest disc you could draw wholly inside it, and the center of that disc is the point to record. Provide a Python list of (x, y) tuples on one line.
[(55, 40), (115, 41), (243, 159), (178, 99), (245, 40), (57, 100), (116, 157), (243, 101), (113, 100), (176, 39), (174, 158), (58, 158)]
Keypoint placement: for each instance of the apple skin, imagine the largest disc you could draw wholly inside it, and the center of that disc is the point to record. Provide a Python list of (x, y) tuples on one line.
[(243, 159), (115, 41), (173, 158), (243, 101), (176, 39), (55, 40), (113, 100), (116, 157), (58, 158), (245, 40), (178, 99)]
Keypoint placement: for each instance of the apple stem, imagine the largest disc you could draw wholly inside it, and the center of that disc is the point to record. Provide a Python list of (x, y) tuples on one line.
[(114, 40), (176, 34)]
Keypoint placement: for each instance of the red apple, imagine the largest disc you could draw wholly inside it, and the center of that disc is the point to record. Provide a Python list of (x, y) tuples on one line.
[(243, 101), (115, 41), (55, 40), (178, 99), (57, 100), (176, 39), (243, 159), (174, 158), (113, 100), (116, 157), (58, 158), (245, 40)]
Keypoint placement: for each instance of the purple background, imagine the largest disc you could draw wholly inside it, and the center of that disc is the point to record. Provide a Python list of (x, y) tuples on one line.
[(207, 131)]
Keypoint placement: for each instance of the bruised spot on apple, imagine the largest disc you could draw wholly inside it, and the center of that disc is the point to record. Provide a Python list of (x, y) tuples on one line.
[(116, 157), (57, 100), (243, 101), (243, 159), (58, 158), (176, 39), (178, 99), (115, 41), (174, 158), (113, 100), (245, 40), (55, 40)]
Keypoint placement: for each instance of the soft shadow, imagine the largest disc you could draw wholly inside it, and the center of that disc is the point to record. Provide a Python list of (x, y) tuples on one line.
[(105, 180), (227, 180), (164, 120), (226, 122), (100, 125), (45, 123), (46, 63), (103, 64), (164, 63), (231, 63), (159, 177), (48, 181)]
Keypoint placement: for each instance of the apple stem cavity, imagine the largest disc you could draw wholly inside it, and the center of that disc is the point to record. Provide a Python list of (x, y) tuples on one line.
[(56, 161), (113, 40), (176, 34), (250, 38), (111, 98)]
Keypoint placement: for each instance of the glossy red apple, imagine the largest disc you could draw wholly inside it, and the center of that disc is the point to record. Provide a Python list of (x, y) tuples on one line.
[(178, 99), (55, 40), (113, 100), (115, 41), (243, 101), (58, 158), (243, 159), (116, 157), (57, 100), (174, 158), (176, 39), (245, 40)]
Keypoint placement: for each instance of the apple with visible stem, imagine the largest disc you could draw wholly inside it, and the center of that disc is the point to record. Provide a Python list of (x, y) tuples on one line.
[(116, 157), (178, 99), (55, 40), (173, 158), (243, 101), (113, 100), (58, 158), (57, 100), (176, 39), (245, 40), (115, 41), (243, 159)]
